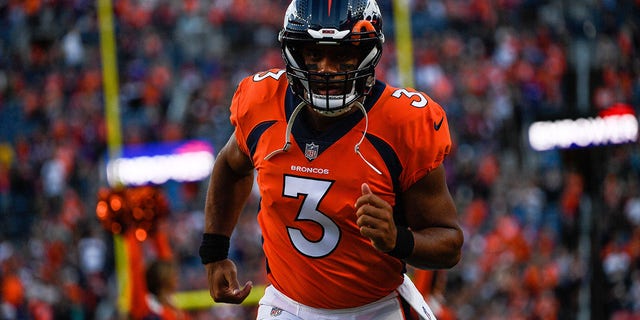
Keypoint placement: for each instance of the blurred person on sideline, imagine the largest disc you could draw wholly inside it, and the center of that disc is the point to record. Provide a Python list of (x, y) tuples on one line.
[(357, 191), (162, 283)]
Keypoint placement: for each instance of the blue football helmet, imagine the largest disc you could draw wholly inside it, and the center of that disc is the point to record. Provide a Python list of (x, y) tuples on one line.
[(353, 25)]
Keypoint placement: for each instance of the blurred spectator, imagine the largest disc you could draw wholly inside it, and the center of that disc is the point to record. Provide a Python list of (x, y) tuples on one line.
[(162, 282)]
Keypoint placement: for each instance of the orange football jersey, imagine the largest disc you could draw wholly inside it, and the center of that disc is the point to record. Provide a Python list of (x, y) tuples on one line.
[(315, 253)]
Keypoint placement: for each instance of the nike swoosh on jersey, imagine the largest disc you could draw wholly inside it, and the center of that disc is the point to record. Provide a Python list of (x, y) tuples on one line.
[(437, 126)]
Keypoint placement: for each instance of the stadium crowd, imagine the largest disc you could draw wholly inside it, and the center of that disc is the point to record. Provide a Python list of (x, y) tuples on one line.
[(549, 235)]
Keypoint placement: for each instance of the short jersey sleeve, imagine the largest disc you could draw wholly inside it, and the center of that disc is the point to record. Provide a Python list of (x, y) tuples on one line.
[(258, 98), (417, 129), (428, 140), (237, 110)]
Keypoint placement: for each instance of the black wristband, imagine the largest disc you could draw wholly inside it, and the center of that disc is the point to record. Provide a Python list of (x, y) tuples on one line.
[(404, 244), (214, 247)]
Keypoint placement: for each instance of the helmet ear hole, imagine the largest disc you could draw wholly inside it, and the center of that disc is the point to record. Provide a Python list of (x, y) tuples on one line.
[(362, 27)]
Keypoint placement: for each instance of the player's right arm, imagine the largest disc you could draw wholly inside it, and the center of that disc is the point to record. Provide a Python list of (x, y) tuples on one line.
[(229, 187)]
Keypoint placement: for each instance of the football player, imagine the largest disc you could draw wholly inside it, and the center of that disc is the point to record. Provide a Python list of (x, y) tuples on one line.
[(350, 174)]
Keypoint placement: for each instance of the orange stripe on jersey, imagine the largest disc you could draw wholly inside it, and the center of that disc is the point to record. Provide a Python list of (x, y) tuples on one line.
[(315, 252)]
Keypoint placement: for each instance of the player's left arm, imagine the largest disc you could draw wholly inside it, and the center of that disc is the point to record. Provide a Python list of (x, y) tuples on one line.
[(432, 217), (425, 204)]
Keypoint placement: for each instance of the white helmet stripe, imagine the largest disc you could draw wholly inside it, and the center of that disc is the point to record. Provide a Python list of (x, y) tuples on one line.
[(290, 57), (367, 60), (296, 71)]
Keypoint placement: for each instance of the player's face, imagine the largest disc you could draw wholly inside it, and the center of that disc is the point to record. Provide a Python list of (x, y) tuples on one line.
[(329, 59)]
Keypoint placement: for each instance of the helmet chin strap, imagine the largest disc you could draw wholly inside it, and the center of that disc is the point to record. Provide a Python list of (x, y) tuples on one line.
[(294, 114)]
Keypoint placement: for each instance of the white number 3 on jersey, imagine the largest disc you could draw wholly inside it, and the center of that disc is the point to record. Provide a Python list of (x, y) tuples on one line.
[(420, 103), (312, 192)]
